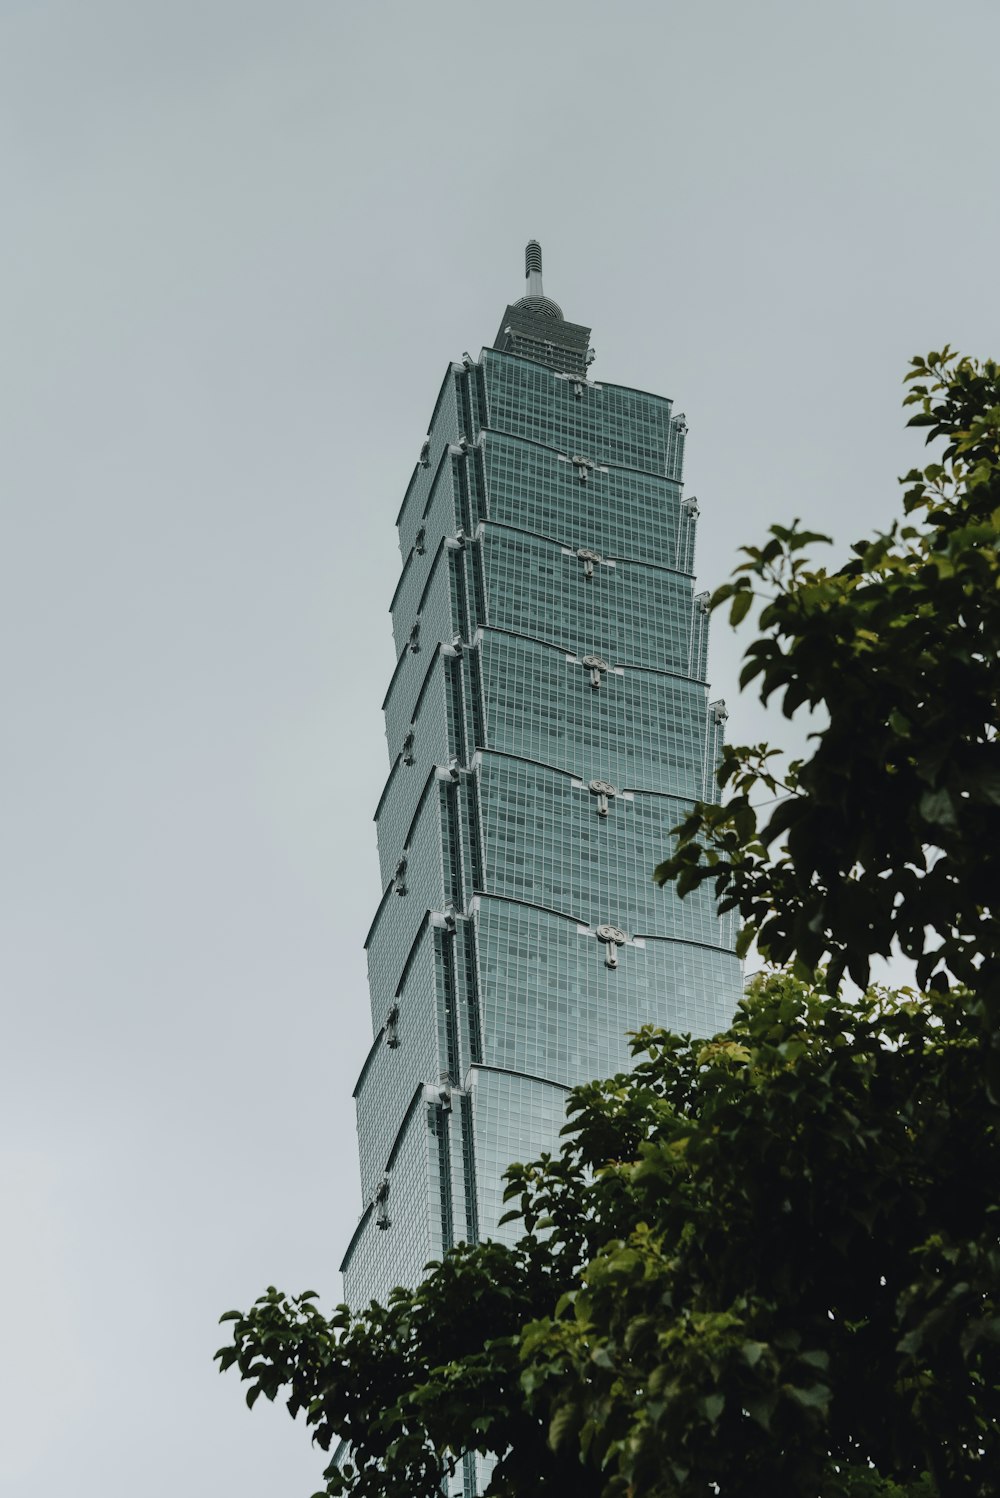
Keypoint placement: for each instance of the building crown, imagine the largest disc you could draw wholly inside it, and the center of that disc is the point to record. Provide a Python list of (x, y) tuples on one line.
[(535, 328)]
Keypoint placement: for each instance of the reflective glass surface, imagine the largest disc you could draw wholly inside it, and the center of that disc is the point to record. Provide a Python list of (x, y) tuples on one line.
[(548, 635)]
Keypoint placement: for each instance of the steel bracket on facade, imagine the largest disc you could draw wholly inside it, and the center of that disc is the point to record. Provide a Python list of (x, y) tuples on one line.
[(595, 665), (585, 555), (382, 1203), (588, 558), (613, 938), (602, 789), (441, 1095), (581, 380), (578, 785), (584, 466)]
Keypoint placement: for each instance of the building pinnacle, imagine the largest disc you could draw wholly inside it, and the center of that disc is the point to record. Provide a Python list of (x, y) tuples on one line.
[(533, 267)]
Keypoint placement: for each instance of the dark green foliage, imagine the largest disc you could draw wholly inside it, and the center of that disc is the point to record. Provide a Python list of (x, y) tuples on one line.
[(415, 1383), (810, 1266), (786, 1269), (890, 829), (769, 1262)]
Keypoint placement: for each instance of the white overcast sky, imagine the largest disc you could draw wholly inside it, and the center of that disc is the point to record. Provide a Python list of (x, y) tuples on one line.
[(242, 239)]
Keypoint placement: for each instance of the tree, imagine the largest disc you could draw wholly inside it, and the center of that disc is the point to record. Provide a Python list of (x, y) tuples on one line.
[(768, 1261), (888, 832)]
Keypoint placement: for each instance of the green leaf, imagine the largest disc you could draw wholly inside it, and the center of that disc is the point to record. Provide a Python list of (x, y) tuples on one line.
[(985, 785), (712, 1406), (937, 808), (817, 1397), (561, 1425), (760, 1408), (740, 607), (745, 939)]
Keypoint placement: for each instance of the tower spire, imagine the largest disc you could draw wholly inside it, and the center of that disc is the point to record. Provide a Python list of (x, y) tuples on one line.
[(533, 267), (533, 327)]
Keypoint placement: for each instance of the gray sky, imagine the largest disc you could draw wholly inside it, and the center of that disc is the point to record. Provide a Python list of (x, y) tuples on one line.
[(242, 241)]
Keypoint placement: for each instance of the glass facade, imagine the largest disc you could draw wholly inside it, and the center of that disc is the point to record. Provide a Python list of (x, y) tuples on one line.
[(547, 721)]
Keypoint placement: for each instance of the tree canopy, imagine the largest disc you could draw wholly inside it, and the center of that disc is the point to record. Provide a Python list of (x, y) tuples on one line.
[(887, 832), (768, 1261)]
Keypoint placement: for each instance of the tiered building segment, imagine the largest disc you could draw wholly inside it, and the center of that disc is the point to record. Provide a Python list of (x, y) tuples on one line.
[(548, 722)]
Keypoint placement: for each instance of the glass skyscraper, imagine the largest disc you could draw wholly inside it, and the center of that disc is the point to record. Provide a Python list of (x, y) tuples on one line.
[(548, 720)]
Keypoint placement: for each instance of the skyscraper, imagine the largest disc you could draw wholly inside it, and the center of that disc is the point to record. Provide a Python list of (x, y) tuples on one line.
[(547, 721)]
